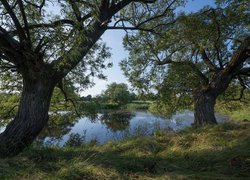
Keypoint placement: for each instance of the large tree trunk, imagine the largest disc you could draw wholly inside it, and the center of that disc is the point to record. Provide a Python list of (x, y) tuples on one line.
[(204, 103), (205, 98), (32, 116)]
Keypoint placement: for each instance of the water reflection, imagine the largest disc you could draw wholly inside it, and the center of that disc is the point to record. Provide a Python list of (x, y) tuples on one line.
[(116, 120), (58, 125), (111, 125)]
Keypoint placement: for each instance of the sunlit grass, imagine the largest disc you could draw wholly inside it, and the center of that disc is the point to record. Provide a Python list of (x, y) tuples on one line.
[(143, 105), (237, 111), (213, 152)]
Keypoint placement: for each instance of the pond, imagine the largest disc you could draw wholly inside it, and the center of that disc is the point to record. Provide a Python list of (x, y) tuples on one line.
[(113, 125)]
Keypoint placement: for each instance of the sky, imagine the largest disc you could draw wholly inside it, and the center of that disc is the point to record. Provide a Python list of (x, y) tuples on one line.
[(113, 39)]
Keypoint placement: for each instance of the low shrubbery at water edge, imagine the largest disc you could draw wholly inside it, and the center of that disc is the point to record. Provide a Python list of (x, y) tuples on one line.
[(212, 152), (236, 110), (138, 105), (95, 106)]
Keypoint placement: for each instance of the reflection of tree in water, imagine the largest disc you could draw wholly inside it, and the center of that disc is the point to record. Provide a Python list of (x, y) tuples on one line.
[(92, 117), (61, 124), (58, 126), (116, 120)]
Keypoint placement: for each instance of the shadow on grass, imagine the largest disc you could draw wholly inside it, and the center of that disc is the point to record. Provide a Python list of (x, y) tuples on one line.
[(228, 156)]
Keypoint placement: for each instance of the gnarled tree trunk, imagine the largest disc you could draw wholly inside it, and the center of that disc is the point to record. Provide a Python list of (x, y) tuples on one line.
[(31, 117), (204, 103), (205, 98)]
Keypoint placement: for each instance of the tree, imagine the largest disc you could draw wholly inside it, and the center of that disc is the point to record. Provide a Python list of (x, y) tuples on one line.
[(39, 49), (117, 93), (199, 55), (175, 90)]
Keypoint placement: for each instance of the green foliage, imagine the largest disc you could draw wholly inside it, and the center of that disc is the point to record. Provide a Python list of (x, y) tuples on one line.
[(110, 105), (175, 90), (9, 103), (117, 93), (138, 105), (49, 40), (171, 63), (76, 140), (58, 125), (63, 100), (116, 120), (8, 107), (92, 65), (234, 105), (89, 107), (66, 40)]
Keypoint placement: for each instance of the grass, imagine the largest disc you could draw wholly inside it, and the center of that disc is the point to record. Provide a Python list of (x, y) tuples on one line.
[(138, 105), (239, 115), (236, 110), (213, 152), (236, 115)]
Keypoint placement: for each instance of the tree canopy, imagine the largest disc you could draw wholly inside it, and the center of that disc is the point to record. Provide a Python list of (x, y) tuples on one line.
[(117, 93), (198, 55), (64, 40)]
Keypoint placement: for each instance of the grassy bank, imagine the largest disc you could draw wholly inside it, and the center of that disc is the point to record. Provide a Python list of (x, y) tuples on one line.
[(95, 106), (219, 152), (138, 105), (237, 115), (236, 110)]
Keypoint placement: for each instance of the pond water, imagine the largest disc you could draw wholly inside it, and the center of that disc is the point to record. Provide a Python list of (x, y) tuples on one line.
[(116, 125)]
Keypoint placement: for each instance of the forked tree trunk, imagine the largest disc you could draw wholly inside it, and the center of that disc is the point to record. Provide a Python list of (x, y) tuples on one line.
[(204, 103), (31, 117)]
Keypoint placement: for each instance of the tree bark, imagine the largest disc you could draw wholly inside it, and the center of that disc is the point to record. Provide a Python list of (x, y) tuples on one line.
[(32, 116), (204, 103)]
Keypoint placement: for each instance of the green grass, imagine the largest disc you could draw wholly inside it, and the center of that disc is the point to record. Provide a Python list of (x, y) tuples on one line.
[(236, 115), (213, 152), (110, 106), (236, 110), (138, 105), (240, 115)]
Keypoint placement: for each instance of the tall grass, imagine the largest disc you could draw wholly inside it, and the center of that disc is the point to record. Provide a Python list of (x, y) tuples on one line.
[(213, 152)]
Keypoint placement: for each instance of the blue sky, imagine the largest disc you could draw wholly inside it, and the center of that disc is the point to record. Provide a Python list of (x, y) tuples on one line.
[(113, 38)]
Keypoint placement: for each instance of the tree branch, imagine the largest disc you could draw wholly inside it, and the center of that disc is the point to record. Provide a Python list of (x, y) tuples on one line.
[(168, 60), (52, 24), (207, 61), (20, 3), (60, 86), (76, 10), (15, 20), (158, 16), (244, 71), (36, 6), (130, 28), (244, 87), (9, 46), (95, 31), (239, 56)]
